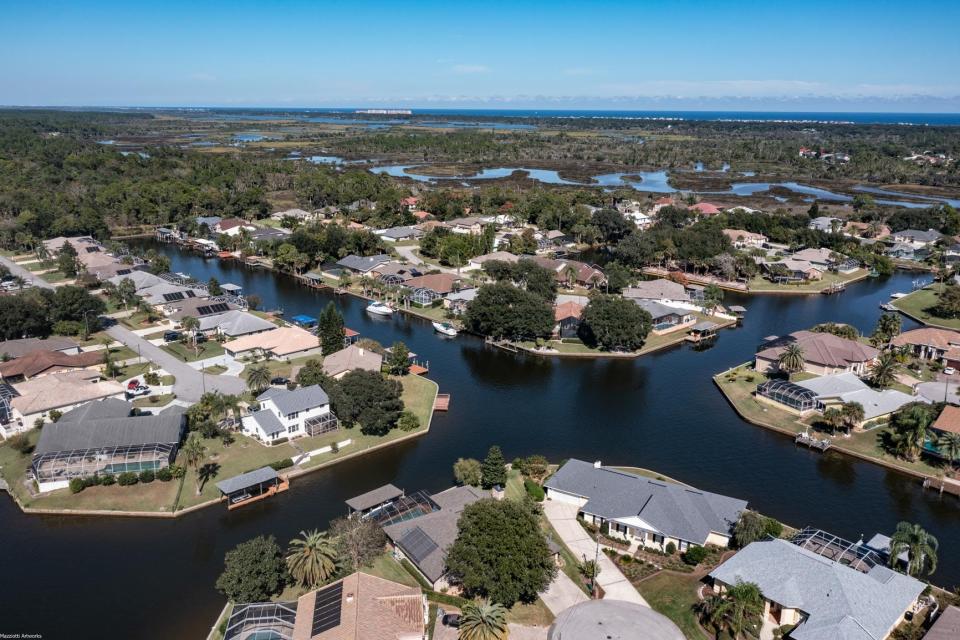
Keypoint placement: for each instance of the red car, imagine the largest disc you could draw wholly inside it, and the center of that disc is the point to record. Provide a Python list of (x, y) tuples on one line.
[(133, 384)]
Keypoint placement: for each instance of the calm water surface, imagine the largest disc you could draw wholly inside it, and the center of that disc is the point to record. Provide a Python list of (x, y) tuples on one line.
[(69, 576)]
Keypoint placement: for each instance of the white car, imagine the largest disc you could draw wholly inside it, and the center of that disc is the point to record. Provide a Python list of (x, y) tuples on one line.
[(139, 390), (949, 371)]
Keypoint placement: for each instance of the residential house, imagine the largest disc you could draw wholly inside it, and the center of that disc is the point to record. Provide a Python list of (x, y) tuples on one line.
[(931, 344), (211, 222), (705, 209), (25, 346), (363, 264), (665, 201), (476, 263), (140, 279), (293, 214), (866, 230), (422, 216), (232, 226), (340, 363), (198, 308), (916, 238), (395, 272), (34, 399), (946, 626), (358, 607), (284, 414), (39, 363), (573, 272), (269, 234), (661, 290), (457, 301), (399, 234), (410, 203), (282, 343), (235, 323), (826, 224), (790, 269), (823, 354), (643, 511), (947, 422), (904, 251), (103, 438), (666, 318), (834, 391), (431, 287), (471, 225), (822, 259), (423, 540), (567, 316), (164, 293), (825, 586), (951, 255), (745, 239)]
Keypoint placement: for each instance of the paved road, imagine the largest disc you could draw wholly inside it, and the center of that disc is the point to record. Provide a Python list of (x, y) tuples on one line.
[(26, 274), (190, 382), (615, 585)]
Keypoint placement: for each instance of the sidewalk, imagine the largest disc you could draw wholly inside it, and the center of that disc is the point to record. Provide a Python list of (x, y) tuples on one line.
[(562, 594), (615, 585)]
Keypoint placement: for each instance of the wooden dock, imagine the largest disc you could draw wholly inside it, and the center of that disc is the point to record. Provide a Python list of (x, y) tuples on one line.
[(282, 486), (837, 287), (813, 443), (442, 403), (943, 485)]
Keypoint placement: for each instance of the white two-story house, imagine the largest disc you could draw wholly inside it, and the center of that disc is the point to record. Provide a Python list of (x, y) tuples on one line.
[(285, 414)]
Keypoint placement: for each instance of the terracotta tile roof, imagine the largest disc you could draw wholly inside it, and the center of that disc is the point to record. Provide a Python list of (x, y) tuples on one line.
[(928, 336), (824, 349), (567, 310), (41, 361), (353, 357), (949, 419), (421, 215), (706, 208)]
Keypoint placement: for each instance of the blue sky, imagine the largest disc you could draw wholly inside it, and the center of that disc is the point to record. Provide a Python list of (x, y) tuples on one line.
[(849, 55)]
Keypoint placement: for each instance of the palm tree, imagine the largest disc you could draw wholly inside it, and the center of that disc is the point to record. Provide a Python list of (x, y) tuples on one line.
[(910, 427), (791, 359), (738, 610), (883, 372), (852, 414), (921, 548), (194, 453), (948, 444), (191, 324), (833, 417), (258, 378), (483, 621), (312, 558)]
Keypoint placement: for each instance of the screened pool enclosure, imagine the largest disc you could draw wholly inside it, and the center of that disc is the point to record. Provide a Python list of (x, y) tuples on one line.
[(788, 394)]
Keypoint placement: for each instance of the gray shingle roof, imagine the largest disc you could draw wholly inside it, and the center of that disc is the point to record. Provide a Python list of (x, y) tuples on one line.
[(23, 346), (916, 235), (363, 264), (399, 233), (675, 510), (841, 603), (98, 409), (374, 498), (297, 400), (439, 526), (95, 433), (248, 479), (658, 310), (236, 323), (269, 423)]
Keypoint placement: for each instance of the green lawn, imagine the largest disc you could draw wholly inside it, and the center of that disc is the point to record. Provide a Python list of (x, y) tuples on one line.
[(675, 597), (154, 401), (387, 567), (134, 370), (167, 380), (760, 284), (919, 305), (140, 320), (186, 352), (215, 370)]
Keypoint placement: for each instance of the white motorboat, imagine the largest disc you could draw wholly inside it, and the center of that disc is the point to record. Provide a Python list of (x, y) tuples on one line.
[(379, 309), (445, 328)]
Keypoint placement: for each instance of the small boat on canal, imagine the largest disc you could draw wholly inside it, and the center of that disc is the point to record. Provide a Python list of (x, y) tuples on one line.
[(445, 328), (379, 309)]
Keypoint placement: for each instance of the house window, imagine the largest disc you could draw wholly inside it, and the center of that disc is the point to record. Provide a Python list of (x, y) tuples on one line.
[(684, 545), (293, 416), (657, 539)]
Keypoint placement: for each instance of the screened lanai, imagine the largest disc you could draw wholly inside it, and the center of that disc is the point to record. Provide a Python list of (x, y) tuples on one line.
[(791, 395)]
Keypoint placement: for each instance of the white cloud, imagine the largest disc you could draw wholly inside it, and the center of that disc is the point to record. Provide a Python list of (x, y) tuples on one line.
[(470, 68)]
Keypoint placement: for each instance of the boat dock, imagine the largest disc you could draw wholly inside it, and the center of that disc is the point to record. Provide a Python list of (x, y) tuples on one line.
[(836, 287), (943, 485), (251, 486), (442, 403), (814, 443)]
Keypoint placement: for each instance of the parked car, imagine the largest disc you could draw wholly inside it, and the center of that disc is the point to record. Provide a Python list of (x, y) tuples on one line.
[(140, 390), (200, 338), (279, 380), (171, 336), (452, 620), (133, 384), (949, 371)]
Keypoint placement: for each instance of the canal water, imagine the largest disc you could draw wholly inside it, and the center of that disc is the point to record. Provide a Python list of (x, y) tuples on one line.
[(139, 578)]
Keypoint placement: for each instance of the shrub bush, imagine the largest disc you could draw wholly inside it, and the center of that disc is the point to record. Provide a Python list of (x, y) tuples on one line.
[(127, 479), (20, 442), (286, 463), (534, 490), (165, 475), (279, 441), (670, 548), (147, 476), (334, 447), (772, 527), (91, 481), (694, 555), (77, 485), (68, 328), (108, 480)]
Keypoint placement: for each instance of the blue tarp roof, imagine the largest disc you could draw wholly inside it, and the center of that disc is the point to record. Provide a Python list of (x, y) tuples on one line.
[(304, 319)]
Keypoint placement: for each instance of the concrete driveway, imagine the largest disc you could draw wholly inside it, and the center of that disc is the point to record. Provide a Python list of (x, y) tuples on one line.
[(190, 383), (562, 594), (26, 274), (615, 585)]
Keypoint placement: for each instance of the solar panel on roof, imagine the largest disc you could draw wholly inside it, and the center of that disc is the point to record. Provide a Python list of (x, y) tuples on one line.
[(190, 294), (417, 544), (326, 609), (171, 297), (219, 307)]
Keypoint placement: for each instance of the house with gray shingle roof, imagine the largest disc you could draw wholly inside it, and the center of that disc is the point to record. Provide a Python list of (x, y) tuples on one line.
[(285, 414), (827, 598), (361, 264), (643, 511)]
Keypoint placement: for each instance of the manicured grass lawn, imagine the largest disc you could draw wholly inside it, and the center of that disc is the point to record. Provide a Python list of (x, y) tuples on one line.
[(919, 305), (54, 276), (515, 489), (154, 401), (245, 454), (133, 370), (121, 353), (186, 352), (139, 320), (868, 443), (279, 367), (167, 380), (759, 283), (535, 614), (215, 370), (675, 597), (388, 568)]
